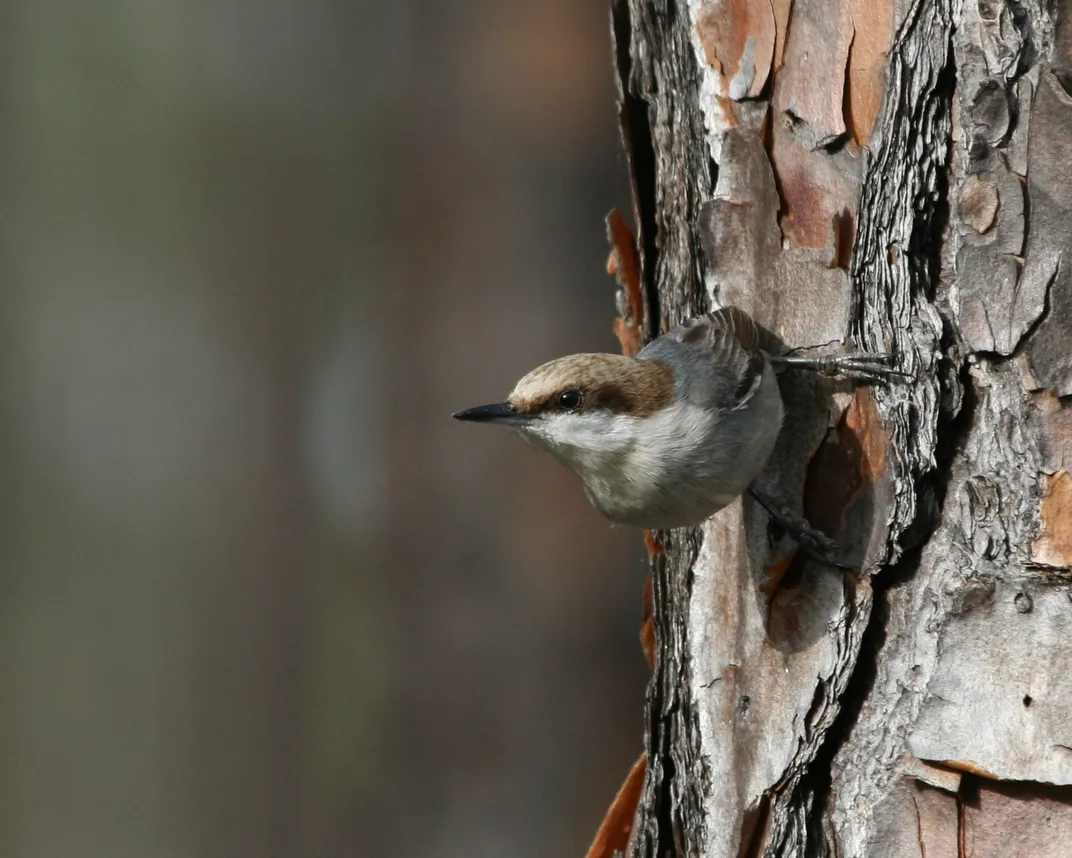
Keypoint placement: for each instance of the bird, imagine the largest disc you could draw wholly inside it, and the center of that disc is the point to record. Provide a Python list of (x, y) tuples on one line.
[(668, 438)]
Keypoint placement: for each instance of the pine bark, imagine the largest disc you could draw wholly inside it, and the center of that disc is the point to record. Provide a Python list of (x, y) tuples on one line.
[(896, 177)]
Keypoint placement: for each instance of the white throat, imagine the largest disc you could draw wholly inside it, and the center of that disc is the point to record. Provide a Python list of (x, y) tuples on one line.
[(632, 466), (588, 443)]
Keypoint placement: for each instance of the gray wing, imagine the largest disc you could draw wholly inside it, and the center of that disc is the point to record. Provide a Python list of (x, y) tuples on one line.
[(723, 349)]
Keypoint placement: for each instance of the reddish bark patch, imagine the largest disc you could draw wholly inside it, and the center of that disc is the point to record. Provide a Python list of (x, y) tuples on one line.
[(816, 56), (782, 9), (825, 104), (738, 38), (1054, 545), (813, 187), (784, 617), (865, 83), (844, 229), (651, 544), (843, 479), (647, 630), (776, 570), (937, 821), (617, 825), (978, 203), (862, 419), (623, 265), (1017, 820), (833, 478)]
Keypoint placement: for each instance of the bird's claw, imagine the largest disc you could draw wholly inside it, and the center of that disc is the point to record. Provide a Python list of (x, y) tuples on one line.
[(812, 541), (865, 367), (857, 367)]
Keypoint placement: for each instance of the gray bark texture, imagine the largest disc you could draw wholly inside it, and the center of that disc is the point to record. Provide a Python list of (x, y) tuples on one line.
[(894, 175)]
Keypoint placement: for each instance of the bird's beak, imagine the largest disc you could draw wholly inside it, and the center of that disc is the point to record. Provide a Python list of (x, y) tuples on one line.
[(500, 412)]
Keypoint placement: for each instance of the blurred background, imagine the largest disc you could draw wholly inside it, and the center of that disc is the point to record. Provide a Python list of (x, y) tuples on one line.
[(260, 595)]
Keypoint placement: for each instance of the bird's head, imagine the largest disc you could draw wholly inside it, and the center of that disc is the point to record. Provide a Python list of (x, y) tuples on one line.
[(583, 408)]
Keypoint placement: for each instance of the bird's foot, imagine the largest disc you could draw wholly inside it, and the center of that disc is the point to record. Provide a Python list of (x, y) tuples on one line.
[(858, 367), (811, 540)]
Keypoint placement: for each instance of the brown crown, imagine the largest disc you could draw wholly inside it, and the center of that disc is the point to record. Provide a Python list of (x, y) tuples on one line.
[(615, 383)]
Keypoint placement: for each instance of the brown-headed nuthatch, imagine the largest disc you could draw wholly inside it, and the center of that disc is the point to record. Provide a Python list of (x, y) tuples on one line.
[(673, 435)]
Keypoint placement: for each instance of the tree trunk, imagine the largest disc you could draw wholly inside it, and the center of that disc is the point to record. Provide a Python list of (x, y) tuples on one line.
[(898, 177)]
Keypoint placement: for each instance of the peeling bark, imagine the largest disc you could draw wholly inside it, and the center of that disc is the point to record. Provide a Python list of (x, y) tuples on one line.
[(898, 176)]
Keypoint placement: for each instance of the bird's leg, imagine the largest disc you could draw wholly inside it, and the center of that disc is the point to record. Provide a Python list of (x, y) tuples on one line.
[(811, 540), (859, 367)]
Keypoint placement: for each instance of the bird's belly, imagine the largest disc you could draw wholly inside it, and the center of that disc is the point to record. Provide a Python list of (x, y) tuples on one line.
[(681, 500)]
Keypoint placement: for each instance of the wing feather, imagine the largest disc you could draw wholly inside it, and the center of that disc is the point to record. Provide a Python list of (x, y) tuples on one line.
[(730, 339)]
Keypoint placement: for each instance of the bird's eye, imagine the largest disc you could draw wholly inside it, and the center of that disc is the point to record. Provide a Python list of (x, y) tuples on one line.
[(569, 400)]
